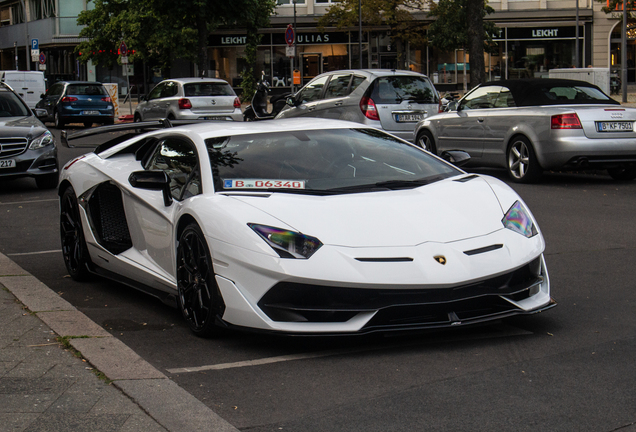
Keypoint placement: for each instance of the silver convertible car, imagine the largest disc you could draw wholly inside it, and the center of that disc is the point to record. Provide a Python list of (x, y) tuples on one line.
[(528, 126)]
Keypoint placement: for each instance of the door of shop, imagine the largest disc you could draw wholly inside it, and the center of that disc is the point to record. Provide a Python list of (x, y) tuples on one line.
[(311, 64), (388, 61)]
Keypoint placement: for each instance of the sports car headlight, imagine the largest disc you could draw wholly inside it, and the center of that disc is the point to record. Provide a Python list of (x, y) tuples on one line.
[(518, 220), (288, 244), (42, 141)]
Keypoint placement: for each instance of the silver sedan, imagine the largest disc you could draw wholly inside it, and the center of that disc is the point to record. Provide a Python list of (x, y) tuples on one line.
[(528, 126)]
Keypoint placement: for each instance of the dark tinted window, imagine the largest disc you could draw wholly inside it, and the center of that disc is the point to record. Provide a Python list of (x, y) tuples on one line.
[(395, 89), (11, 105), (312, 91), (179, 160), (86, 90), (208, 89), (338, 86), (318, 161), (574, 93)]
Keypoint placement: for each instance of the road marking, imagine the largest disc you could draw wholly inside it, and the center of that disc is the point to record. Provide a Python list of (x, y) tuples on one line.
[(27, 202), (35, 253), (505, 331)]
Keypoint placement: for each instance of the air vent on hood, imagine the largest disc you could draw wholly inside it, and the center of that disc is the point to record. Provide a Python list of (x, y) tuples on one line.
[(388, 259), (467, 178), (483, 249)]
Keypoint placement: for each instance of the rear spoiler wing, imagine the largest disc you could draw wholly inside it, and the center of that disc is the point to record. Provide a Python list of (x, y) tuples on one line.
[(136, 128)]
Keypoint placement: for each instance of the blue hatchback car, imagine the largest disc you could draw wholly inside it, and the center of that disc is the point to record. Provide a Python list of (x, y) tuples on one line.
[(78, 102)]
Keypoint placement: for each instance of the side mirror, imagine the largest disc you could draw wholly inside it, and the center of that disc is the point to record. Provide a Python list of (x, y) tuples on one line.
[(291, 101), (152, 180), (452, 106), (40, 113), (42, 95), (456, 157)]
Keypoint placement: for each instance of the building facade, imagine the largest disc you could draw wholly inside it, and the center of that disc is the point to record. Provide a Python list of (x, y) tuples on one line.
[(535, 36)]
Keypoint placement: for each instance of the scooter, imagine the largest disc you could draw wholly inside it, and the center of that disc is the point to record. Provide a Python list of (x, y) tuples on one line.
[(258, 109)]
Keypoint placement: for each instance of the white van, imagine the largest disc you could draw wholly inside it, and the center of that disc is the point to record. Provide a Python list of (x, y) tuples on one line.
[(28, 84)]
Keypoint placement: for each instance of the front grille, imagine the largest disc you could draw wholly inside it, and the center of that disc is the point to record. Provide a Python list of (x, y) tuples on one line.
[(12, 146), (293, 302)]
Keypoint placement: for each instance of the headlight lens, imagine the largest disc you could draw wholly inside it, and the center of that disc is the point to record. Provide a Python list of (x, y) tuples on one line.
[(288, 244), (518, 220), (42, 141)]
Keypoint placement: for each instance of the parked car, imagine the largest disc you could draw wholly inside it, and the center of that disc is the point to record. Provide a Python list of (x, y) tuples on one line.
[(78, 102), (27, 147), (392, 100), (528, 126), (30, 85), (321, 227), (190, 99)]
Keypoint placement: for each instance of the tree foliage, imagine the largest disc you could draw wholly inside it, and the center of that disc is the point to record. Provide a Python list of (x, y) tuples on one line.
[(397, 14), (460, 24), (158, 31)]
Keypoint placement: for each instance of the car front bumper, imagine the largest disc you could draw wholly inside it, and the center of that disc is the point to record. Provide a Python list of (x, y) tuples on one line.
[(32, 163), (580, 152)]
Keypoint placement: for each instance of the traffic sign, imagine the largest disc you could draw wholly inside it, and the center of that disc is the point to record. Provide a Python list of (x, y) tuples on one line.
[(123, 49), (35, 44), (289, 35), (42, 58)]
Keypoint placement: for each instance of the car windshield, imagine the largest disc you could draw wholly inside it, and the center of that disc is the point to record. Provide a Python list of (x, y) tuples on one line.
[(12, 106), (395, 89), (208, 89), (85, 90), (321, 162)]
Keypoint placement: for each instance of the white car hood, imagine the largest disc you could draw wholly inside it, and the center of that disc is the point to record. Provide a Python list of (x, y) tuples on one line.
[(444, 211)]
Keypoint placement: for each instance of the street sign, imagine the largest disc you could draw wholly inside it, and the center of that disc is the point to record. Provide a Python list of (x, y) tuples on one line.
[(290, 51), (42, 67), (289, 35), (124, 60), (35, 52), (123, 49), (35, 44), (42, 58)]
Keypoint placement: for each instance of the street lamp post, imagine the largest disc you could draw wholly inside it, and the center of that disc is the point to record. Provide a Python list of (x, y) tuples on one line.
[(27, 45), (360, 34)]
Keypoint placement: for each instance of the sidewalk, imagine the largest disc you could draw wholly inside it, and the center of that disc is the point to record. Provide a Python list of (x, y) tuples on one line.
[(60, 371)]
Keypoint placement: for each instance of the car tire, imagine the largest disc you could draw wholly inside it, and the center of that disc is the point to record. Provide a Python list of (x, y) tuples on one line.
[(623, 173), (198, 295), (74, 250), (109, 122), (137, 118), (426, 141), (47, 181), (59, 124), (521, 161), (88, 124)]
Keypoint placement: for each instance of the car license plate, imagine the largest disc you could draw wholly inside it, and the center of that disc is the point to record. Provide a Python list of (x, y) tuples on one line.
[(615, 126), (7, 163), (90, 112), (406, 118)]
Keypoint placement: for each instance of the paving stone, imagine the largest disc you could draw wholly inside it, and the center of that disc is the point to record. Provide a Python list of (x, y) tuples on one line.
[(77, 423), (72, 323), (141, 422), (34, 294), (16, 422)]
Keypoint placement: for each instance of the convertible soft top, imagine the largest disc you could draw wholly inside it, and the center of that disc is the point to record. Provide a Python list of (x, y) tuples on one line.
[(536, 92)]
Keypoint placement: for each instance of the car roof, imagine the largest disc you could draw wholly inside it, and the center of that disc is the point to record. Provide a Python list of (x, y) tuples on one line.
[(197, 80), (79, 82), (532, 92), (371, 73)]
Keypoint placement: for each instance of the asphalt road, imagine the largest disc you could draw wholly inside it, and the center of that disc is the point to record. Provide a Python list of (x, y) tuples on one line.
[(569, 368)]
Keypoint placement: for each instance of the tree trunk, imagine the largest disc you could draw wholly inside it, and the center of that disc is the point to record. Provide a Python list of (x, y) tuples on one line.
[(202, 41), (475, 33)]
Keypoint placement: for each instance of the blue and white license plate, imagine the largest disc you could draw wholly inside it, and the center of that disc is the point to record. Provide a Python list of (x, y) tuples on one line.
[(615, 126), (90, 112), (263, 184), (7, 163)]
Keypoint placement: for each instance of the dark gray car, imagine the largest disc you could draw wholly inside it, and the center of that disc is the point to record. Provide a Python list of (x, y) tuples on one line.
[(392, 100), (27, 147)]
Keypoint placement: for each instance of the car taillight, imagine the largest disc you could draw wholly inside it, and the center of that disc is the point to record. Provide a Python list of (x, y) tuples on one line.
[(69, 99), (106, 99), (184, 103), (566, 121), (237, 103), (368, 108)]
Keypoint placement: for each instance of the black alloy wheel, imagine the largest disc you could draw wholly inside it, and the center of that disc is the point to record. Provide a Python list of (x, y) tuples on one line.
[(74, 249), (522, 164), (626, 173), (426, 141), (199, 298)]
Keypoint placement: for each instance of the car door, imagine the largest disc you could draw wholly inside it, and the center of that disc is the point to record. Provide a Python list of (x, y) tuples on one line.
[(150, 220), (149, 109), (332, 104), (168, 100), (498, 124), (308, 98), (49, 101), (463, 129)]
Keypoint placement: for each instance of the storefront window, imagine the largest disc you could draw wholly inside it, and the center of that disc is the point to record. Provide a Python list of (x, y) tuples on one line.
[(281, 75)]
